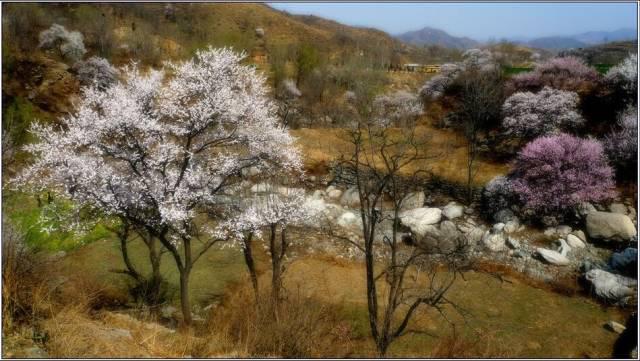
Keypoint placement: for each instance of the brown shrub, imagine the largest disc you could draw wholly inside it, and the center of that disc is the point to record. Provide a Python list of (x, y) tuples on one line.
[(21, 281), (304, 327)]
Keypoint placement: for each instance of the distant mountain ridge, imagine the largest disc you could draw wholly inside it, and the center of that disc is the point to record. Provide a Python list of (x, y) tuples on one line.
[(432, 36), (579, 40)]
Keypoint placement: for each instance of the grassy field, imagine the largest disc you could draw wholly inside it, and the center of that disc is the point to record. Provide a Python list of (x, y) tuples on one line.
[(507, 318)]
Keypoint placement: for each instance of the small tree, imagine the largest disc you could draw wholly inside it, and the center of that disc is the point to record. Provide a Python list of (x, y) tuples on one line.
[(622, 144), (481, 94), (383, 161), (69, 44), (397, 108), (95, 70), (623, 80), (307, 60), (159, 151), (273, 213), (552, 174), (529, 114)]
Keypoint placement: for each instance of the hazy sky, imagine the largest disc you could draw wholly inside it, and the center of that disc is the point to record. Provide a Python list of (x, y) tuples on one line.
[(477, 20)]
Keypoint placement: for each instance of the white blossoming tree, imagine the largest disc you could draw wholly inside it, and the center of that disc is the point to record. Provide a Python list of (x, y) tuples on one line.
[(160, 147), (268, 217), (399, 107), (623, 79), (69, 44), (529, 114)]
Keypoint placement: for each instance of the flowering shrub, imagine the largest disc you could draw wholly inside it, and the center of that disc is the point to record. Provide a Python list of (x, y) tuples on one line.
[(396, 107), (482, 59), (436, 86), (498, 194), (95, 71), (529, 114), (554, 173), (623, 80), (69, 43), (566, 73), (622, 144)]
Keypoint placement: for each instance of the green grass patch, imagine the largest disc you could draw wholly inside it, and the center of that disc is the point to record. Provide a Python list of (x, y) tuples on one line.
[(602, 68), (47, 233), (513, 70)]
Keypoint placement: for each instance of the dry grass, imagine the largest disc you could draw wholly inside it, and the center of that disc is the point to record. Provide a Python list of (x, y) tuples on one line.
[(320, 146), (303, 327)]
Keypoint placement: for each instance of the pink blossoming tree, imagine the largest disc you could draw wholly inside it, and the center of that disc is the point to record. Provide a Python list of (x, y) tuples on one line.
[(554, 173)]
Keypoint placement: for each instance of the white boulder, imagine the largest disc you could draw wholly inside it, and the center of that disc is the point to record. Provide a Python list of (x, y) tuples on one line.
[(333, 192), (575, 242), (610, 286), (610, 226), (453, 210), (495, 242), (419, 219), (553, 257)]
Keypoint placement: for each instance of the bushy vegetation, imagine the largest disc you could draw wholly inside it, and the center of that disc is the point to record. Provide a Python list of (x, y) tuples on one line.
[(95, 71), (69, 44), (622, 144), (623, 80), (554, 173), (529, 114), (567, 73)]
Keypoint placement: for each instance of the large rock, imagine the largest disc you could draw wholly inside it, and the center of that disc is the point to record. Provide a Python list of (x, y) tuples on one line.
[(412, 201), (625, 262), (612, 287), (453, 210), (607, 226), (443, 239), (512, 225), (615, 327), (495, 242), (349, 220), (578, 233), (333, 192), (419, 219), (350, 197), (575, 242), (552, 257)]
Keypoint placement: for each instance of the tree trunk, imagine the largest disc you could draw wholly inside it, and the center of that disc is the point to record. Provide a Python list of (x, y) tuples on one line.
[(184, 296), (131, 271), (275, 269), (156, 278), (248, 260)]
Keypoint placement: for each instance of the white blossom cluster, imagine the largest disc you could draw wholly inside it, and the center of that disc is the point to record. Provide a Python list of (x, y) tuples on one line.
[(622, 144), (69, 43), (95, 70), (162, 145), (625, 75), (529, 114), (396, 107), (277, 208)]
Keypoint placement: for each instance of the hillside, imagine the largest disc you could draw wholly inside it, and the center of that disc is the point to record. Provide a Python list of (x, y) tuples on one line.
[(610, 53), (179, 31), (431, 36)]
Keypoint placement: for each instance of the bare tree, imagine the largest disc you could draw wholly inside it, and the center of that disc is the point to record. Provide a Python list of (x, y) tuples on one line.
[(384, 161), (479, 107)]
